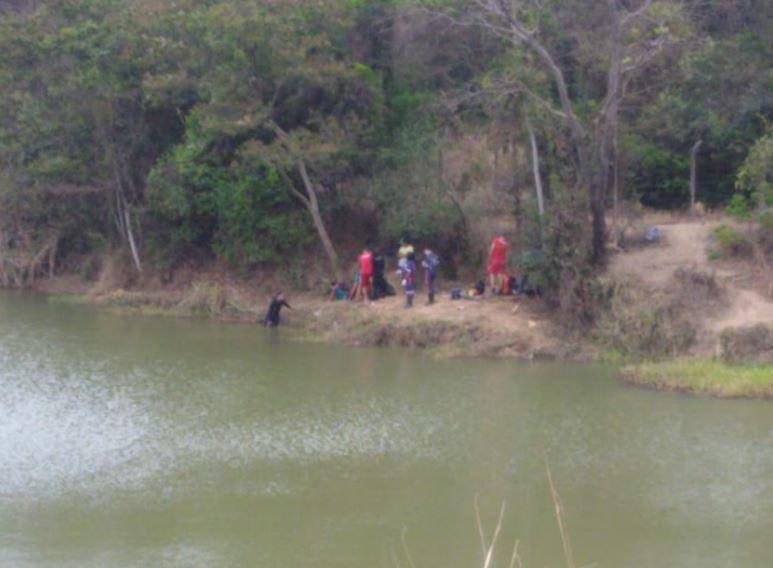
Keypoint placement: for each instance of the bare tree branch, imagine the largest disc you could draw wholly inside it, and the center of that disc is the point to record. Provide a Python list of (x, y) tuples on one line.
[(631, 17)]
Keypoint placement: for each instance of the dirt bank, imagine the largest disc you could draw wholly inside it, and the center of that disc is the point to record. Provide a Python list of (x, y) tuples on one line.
[(741, 301), (492, 327)]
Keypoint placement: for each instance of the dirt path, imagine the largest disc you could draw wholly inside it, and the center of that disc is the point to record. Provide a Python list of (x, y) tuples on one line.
[(685, 245), (682, 245)]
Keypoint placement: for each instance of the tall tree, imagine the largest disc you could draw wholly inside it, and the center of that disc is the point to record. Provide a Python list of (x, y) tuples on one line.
[(564, 39)]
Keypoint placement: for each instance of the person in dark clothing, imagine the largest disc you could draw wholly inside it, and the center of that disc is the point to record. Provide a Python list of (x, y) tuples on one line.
[(381, 288), (272, 315)]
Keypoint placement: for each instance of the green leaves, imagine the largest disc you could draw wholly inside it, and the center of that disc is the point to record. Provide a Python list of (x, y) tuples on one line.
[(755, 176)]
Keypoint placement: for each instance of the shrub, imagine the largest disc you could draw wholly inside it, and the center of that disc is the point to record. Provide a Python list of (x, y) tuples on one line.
[(636, 324), (748, 345), (755, 176), (730, 240), (738, 207), (235, 211)]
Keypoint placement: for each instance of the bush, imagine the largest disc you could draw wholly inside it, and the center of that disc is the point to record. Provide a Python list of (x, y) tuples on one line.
[(730, 240), (658, 176), (755, 176), (237, 212), (636, 324), (748, 345), (738, 207)]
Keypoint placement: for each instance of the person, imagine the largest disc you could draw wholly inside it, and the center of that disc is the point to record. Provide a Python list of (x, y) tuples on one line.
[(338, 291), (381, 288), (478, 290), (366, 273), (272, 315), (407, 270), (497, 260), (406, 248), (430, 263)]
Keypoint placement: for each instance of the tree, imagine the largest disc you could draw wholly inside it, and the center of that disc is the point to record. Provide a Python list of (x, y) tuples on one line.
[(75, 117), (622, 41)]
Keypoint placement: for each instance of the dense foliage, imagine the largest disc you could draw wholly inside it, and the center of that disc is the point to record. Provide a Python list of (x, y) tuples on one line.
[(257, 131)]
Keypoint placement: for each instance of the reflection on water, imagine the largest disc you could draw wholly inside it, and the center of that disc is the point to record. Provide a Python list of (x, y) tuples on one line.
[(138, 442)]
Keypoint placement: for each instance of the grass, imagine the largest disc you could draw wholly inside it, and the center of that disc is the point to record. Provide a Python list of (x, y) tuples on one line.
[(702, 376), (202, 300)]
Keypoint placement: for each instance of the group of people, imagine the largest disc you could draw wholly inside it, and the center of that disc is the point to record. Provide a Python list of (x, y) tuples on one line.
[(370, 281)]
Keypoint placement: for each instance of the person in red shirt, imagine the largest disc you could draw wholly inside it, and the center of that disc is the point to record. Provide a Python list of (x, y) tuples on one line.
[(366, 273), (496, 261)]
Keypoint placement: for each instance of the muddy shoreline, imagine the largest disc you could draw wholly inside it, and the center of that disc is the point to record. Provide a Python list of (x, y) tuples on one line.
[(514, 328)]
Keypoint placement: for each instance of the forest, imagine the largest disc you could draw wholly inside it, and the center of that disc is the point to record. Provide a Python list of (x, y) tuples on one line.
[(259, 134)]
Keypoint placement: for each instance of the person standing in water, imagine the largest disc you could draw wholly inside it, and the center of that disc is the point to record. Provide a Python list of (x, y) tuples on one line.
[(430, 262), (272, 315), (496, 261)]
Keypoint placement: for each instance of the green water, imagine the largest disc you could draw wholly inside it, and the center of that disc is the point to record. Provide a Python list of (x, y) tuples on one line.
[(152, 442)]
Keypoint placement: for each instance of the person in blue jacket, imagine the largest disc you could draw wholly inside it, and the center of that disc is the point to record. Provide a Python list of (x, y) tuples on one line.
[(430, 262)]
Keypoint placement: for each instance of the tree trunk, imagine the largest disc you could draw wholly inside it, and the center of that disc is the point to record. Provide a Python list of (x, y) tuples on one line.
[(615, 189), (124, 222), (130, 238), (312, 204), (694, 173), (599, 224), (535, 166), (52, 257)]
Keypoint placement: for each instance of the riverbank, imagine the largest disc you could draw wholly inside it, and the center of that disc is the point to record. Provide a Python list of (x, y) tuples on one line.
[(700, 325), (493, 327), (519, 328)]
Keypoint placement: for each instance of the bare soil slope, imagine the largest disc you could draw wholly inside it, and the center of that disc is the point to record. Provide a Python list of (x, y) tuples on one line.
[(684, 245)]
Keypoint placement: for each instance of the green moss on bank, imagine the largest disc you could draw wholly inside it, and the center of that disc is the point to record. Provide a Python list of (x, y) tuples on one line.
[(699, 376)]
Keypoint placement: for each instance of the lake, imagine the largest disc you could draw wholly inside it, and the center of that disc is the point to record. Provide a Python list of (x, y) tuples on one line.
[(155, 442)]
